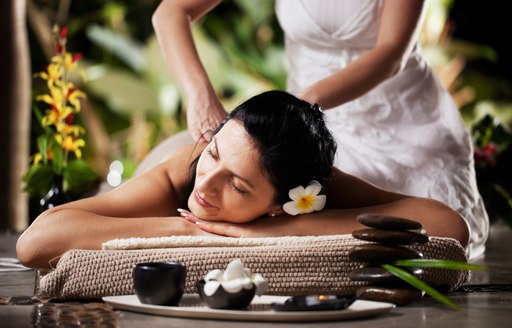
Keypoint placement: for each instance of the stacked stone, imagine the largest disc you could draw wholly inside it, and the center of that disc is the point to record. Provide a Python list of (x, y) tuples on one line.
[(392, 239)]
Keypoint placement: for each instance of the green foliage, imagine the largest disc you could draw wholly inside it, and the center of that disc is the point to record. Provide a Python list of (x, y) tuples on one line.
[(421, 285), (79, 179), (429, 263), (38, 180), (493, 160), (440, 264)]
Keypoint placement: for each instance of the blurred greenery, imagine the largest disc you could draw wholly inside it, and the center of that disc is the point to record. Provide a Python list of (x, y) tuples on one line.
[(137, 101)]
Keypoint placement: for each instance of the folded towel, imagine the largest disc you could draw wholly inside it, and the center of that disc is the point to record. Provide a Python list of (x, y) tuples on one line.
[(216, 241), (292, 265)]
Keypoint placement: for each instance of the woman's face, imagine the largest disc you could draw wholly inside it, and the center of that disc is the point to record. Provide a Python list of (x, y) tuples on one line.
[(229, 184)]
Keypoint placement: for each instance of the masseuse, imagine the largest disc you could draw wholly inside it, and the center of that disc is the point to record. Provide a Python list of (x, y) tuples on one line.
[(239, 184)]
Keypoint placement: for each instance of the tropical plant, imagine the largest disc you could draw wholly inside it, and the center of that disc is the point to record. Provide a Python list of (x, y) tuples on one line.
[(60, 145)]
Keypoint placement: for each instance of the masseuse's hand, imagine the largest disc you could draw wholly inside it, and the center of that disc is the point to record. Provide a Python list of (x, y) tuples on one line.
[(311, 95), (204, 115), (264, 227)]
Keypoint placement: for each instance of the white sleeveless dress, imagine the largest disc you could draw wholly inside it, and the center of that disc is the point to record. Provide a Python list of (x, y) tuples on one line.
[(406, 135)]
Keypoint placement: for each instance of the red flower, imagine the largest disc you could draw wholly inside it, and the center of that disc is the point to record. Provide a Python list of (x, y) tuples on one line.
[(63, 33), (486, 156), (70, 119), (77, 56)]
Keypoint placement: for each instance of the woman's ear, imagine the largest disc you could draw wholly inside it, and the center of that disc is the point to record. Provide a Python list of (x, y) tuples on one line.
[(275, 210)]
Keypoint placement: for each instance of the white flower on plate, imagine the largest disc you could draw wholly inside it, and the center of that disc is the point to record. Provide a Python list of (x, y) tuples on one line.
[(233, 279), (305, 200)]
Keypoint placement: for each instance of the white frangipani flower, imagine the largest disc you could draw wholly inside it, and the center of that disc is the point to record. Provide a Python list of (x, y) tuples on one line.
[(235, 278), (305, 200)]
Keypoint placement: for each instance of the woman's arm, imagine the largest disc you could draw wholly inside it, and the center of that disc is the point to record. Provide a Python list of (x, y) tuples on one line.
[(172, 23), (348, 197), (400, 25), (144, 206)]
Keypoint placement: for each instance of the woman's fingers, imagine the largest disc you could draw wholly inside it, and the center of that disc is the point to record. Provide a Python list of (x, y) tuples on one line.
[(187, 215), (220, 228)]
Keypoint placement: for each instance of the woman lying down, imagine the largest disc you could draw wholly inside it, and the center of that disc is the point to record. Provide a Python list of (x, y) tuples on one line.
[(238, 184)]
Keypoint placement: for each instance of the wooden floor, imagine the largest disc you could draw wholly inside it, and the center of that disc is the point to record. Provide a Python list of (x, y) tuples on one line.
[(486, 301)]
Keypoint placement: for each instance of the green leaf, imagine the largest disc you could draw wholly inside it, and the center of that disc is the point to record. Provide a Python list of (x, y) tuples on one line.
[(441, 264), (39, 116), (42, 144), (38, 180), (421, 285), (58, 160), (79, 178)]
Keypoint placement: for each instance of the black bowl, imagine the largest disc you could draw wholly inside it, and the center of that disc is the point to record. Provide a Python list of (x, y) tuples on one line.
[(221, 299), (159, 283)]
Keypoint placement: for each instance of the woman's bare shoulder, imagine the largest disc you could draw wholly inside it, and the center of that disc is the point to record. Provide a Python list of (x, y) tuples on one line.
[(183, 156), (178, 164)]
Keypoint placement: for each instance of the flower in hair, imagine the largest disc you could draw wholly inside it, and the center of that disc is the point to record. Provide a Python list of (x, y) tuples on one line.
[(305, 200)]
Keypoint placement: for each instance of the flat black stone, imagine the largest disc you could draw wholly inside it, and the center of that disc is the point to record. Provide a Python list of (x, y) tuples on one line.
[(399, 296), (391, 237), (377, 253), (377, 274), (372, 274), (388, 222)]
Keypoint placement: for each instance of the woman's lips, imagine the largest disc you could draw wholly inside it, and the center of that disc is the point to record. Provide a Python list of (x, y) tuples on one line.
[(201, 201)]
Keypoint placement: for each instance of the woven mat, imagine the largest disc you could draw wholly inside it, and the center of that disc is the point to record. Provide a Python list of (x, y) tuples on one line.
[(292, 265)]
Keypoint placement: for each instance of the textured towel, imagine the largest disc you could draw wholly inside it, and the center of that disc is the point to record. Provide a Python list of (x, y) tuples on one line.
[(292, 265), (215, 241)]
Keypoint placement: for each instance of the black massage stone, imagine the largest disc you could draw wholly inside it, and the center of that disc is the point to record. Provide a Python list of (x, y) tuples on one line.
[(397, 295), (388, 222), (376, 253), (391, 237)]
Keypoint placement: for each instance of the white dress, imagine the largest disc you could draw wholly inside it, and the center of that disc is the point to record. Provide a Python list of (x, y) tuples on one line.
[(405, 135)]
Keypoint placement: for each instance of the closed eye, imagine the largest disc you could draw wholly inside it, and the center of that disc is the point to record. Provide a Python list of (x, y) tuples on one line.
[(212, 155), (235, 188), (231, 181)]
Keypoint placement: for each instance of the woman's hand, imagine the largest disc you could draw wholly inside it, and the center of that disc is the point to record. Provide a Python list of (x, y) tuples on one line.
[(263, 227)]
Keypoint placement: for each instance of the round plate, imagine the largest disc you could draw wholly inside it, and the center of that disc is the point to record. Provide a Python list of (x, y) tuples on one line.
[(191, 306)]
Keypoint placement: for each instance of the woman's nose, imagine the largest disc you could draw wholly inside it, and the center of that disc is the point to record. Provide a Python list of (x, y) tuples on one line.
[(209, 183)]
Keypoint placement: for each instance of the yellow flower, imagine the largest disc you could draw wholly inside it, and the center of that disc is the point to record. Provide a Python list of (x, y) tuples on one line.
[(73, 130), (69, 62), (38, 158), (53, 74), (56, 97), (74, 96), (305, 200), (69, 143)]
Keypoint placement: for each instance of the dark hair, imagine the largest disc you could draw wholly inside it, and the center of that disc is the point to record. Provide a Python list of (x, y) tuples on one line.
[(292, 138)]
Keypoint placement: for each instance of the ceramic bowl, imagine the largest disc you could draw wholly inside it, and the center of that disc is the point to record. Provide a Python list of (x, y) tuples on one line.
[(159, 283)]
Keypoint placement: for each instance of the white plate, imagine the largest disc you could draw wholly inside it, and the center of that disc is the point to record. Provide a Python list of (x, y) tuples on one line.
[(191, 306)]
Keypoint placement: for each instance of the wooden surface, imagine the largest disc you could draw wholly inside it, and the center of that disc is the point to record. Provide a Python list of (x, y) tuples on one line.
[(486, 301)]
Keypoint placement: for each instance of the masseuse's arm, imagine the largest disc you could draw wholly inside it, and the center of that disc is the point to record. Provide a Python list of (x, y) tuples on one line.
[(144, 206), (348, 197), (172, 23), (399, 28)]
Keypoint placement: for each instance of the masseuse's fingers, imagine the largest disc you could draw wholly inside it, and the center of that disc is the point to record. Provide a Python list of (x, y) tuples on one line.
[(204, 116)]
